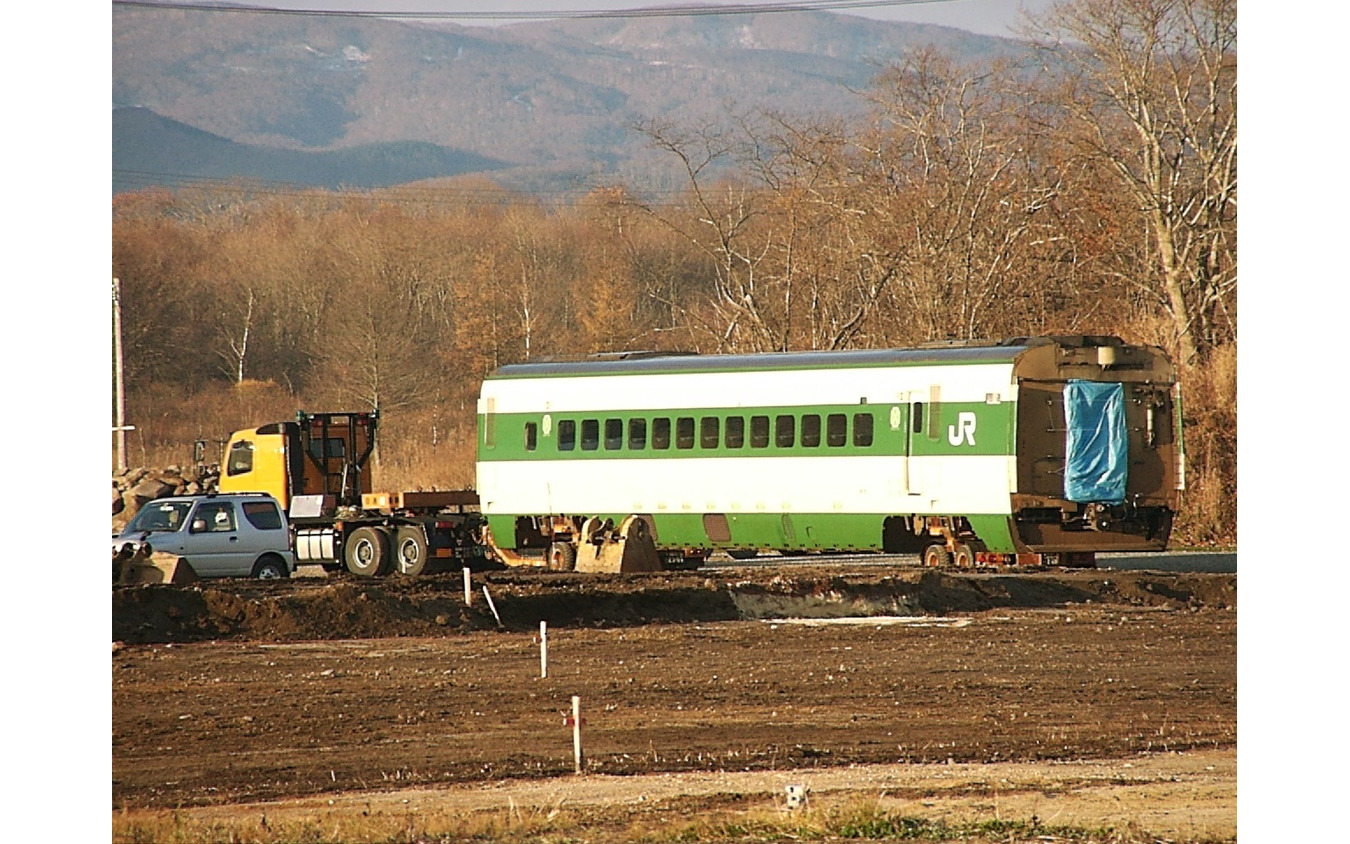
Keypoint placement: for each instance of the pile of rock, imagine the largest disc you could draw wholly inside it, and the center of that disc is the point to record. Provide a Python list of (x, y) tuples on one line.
[(134, 488)]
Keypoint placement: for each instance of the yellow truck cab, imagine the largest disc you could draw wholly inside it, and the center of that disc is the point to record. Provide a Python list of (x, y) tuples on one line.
[(317, 454)]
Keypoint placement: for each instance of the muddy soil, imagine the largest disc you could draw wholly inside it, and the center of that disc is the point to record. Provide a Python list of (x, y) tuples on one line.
[(345, 607), (331, 689)]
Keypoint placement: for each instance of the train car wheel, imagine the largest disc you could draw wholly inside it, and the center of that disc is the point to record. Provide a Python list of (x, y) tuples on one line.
[(963, 557), (936, 557)]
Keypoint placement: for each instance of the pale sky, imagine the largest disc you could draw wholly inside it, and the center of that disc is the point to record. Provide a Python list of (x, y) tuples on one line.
[(990, 17)]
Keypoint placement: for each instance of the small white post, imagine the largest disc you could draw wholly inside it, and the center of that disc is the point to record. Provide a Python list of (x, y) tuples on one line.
[(543, 650), (491, 605), (468, 590), (576, 732)]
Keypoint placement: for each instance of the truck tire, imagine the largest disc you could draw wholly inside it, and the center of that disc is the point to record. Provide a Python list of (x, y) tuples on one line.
[(367, 551), (410, 551)]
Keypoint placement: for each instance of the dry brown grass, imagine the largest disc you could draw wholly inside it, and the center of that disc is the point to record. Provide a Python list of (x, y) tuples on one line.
[(719, 819), (1209, 397)]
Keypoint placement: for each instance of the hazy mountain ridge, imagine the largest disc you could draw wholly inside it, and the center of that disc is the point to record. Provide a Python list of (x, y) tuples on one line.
[(555, 99), (149, 149)]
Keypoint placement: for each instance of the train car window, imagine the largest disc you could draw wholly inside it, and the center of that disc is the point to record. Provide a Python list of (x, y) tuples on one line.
[(709, 431), (916, 417), (567, 435), (661, 432), (613, 434), (759, 432), (934, 411), (489, 429), (735, 432), (684, 432), (590, 434), (637, 434), (836, 430), (531, 435), (785, 431), (862, 429), (811, 430)]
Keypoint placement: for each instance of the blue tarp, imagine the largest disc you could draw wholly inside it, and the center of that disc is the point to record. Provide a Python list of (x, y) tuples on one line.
[(1096, 455)]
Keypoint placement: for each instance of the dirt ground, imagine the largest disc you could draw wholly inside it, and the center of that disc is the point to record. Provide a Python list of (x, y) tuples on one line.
[(1104, 698)]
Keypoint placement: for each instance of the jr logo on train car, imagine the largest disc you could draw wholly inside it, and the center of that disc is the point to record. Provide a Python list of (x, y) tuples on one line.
[(963, 430)]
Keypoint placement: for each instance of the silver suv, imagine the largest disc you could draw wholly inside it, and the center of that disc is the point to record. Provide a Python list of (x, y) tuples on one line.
[(234, 535)]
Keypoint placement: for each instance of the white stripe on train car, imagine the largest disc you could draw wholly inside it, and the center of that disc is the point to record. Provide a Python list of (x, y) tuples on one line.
[(847, 484), (673, 391)]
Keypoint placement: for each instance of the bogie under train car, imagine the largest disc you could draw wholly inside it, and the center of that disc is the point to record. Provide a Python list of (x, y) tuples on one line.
[(965, 452)]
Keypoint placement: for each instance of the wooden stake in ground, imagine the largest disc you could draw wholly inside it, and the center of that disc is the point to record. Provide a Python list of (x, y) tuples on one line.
[(576, 722)]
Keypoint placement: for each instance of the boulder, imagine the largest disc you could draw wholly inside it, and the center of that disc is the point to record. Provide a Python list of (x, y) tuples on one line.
[(151, 488)]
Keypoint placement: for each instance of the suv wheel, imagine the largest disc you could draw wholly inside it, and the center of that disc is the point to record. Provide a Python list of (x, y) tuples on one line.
[(270, 568)]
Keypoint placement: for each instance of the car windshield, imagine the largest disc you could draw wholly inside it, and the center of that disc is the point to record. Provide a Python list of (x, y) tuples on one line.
[(167, 515)]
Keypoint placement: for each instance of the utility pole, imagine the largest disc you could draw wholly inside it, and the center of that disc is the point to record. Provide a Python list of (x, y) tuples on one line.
[(121, 427)]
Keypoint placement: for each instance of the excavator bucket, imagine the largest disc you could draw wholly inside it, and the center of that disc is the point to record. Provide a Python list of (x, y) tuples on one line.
[(630, 548), (156, 567)]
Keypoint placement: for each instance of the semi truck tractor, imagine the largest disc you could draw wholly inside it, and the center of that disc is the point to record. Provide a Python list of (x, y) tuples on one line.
[(318, 467)]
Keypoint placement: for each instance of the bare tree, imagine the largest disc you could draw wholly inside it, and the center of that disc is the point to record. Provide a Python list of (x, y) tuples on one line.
[(1152, 85), (958, 191), (790, 268)]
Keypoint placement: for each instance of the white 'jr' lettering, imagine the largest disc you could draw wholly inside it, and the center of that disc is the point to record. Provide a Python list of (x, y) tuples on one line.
[(964, 429)]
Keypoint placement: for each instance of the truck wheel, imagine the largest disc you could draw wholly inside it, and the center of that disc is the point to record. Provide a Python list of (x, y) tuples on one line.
[(937, 557), (562, 556), (367, 551), (270, 568), (410, 551)]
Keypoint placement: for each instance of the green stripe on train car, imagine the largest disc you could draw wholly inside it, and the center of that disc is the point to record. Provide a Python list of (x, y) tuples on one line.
[(957, 428), (787, 531)]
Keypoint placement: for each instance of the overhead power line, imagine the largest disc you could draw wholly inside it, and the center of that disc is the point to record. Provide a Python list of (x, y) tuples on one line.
[(671, 11)]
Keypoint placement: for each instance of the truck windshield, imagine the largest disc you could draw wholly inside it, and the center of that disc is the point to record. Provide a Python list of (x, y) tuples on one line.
[(168, 515)]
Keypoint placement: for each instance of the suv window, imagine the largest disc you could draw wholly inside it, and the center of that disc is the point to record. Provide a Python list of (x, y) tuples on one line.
[(165, 515), (263, 515), (218, 516)]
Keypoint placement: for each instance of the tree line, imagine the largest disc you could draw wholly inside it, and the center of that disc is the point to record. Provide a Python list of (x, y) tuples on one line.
[(1092, 191)]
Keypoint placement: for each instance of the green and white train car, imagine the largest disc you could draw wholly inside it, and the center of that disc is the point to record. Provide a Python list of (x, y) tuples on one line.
[(966, 452)]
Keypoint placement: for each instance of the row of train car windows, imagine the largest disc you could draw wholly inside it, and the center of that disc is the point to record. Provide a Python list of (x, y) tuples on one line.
[(709, 432)]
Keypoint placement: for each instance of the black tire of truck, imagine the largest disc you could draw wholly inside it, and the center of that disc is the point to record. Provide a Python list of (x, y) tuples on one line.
[(367, 552), (410, 551)]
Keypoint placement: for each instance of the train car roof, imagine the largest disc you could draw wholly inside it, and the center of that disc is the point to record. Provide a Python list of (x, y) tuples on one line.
[(651, 363)]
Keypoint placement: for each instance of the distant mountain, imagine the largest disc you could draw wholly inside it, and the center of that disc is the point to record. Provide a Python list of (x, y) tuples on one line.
[(151, 150), (554, 104)]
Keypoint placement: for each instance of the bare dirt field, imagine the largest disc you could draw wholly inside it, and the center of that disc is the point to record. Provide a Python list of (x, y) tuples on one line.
[(1044, 705)]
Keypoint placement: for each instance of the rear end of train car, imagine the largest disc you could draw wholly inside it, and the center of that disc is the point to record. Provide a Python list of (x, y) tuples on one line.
[(1100, 454)]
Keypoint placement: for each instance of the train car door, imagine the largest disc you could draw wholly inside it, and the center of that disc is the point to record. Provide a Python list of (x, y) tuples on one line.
[(921, 419), (901, 418)]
